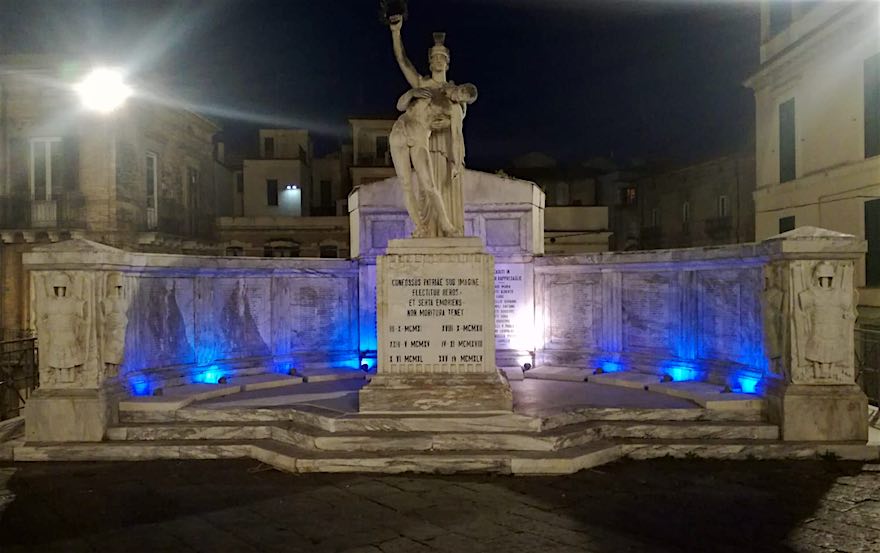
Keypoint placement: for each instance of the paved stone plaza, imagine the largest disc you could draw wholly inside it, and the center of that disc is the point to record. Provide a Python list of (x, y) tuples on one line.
[(660, 505)]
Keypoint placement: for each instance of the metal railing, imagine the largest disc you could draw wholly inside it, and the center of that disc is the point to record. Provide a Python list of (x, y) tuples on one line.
[(19, 374), (61, 211), (867, 350)]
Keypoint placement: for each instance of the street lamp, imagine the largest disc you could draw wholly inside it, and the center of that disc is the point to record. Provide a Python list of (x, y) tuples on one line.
[(103, 90)]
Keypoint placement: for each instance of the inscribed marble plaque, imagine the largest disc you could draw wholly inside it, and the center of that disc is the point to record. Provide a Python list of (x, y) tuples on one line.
[(648, 311), (514, 318), (572, 303)]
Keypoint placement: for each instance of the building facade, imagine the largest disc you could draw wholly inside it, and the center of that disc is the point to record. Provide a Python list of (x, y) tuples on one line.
[(574, 219), (706, 204), (143, 177), (817, 94), (370, 152)]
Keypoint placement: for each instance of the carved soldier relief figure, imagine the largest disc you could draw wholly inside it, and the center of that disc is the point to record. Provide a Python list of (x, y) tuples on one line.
[(828, 310), (114, 308), (61, 319), (428, 141), (773, 304)]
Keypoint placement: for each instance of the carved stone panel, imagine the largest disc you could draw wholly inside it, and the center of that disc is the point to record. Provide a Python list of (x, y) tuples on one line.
[(313, 314), (824, 317), (650, 316), (572, 310)]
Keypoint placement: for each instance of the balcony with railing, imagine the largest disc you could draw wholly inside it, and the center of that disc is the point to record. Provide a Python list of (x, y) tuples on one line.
[(373, 160), (719, 228), (62, 211)]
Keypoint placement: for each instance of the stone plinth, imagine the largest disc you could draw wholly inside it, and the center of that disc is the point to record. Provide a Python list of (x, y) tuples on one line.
[(823, 413), (67, 416), (436, 329)]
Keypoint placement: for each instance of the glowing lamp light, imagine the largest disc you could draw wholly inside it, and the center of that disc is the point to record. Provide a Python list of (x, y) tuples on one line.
[(291, 187), (212, 375), (680, 374), (103, 90), (140, 388), (748, 384)]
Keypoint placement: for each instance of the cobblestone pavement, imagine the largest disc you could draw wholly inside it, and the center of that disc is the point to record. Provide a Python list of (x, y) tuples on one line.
[(661, 505)]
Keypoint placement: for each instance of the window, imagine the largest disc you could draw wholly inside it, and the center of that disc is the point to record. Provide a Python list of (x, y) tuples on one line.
[(780, 16), (47, 168), (723, 206), (872, 106), (382, 150), (628, 196), (281, 248), (786, 224), (272, 192), (326, 193), (655, 217), (686, 217), (268, 147), (872, 235), (787, 144), (329, 251), (239, 182), (152, 180)]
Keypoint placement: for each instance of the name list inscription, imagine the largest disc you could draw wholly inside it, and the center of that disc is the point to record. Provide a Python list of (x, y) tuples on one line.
[(509, 300), (435, 320)]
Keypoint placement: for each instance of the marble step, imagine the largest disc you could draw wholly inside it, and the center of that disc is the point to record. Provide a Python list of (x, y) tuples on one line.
[(739, 450), (290, 458), (587, 414), (338, 422), (558, 439)]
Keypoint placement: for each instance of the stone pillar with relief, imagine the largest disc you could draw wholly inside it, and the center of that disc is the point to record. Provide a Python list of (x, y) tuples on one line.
[(809, 306), (80, 312), (436, 313)]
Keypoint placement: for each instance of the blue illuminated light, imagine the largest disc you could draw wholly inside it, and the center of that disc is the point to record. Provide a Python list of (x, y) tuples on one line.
[(748, 384), (141, 388), (612, 367), (211, 375), (681, 374)]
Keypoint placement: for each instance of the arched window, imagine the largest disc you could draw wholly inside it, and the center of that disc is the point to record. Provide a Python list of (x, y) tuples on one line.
[(281, 248)]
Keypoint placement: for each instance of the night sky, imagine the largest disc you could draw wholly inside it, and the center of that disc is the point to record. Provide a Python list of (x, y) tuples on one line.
[(572, 78)]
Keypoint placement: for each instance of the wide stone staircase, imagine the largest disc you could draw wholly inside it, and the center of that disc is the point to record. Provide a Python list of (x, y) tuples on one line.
[(184, 423)]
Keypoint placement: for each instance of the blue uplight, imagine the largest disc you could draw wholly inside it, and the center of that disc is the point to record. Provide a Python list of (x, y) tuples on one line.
[(140, 387), (748, 384), (211, 375), (680, 374), (612, 367)]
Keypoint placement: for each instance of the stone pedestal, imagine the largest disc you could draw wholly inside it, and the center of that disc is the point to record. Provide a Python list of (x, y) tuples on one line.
[(436, 330), (809, 320), (824, 413), (67, 416)]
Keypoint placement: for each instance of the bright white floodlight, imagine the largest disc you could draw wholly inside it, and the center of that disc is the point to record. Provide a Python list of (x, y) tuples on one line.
[(103, 90)]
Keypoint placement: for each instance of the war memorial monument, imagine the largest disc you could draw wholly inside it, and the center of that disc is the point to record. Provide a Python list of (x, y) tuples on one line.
[(449, 341)]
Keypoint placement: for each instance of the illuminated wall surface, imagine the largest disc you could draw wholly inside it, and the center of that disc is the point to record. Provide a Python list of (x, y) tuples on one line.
[(680, 313), (676, 313), (199, 328)]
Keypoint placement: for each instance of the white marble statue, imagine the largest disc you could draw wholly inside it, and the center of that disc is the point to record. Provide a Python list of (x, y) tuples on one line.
[(114, 308), (829, 312), (61, 318), (428, 140)]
